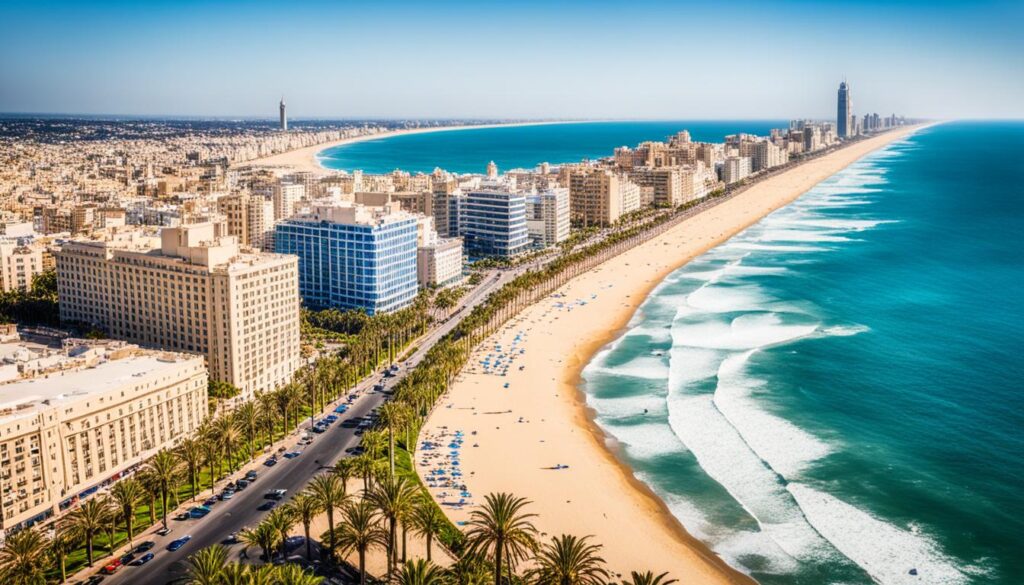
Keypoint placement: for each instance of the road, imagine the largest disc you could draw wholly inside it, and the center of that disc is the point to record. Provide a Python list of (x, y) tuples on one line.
[(290, 474)]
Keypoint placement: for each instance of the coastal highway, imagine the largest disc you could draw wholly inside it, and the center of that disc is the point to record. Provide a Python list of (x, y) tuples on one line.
[(241, 511)]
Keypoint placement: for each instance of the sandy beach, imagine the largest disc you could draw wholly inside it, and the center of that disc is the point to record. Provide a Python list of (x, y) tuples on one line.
[(518, 431), (305, 159)]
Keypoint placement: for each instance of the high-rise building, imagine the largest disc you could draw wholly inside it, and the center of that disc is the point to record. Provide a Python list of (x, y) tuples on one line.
[(352, 256), (494, 223), (735, 168), (844, 116), (78, 418), (191, 289), (249, 217), (286, 198), (600, 196), (284, 116), (547, 216)]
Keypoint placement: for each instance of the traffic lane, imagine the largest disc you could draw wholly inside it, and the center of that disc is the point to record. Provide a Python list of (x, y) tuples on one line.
[(241, 510)]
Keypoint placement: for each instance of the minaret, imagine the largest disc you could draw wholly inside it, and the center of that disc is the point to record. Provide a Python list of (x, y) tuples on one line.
[(284, 117), (492, 170)]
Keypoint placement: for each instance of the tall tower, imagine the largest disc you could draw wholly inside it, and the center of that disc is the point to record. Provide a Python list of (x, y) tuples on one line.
[(843, 113), (284, 116)]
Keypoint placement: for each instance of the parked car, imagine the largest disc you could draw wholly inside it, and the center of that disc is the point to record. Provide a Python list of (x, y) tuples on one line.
[(251, 475), (292, 454), (209, 502), (318, 429), (143, 560), (144, 546), (227, 494), (270, 462), (93, 580), (341, 409), (177, 544), (163, 531), (127, 558), (111, 567), (241, 485)]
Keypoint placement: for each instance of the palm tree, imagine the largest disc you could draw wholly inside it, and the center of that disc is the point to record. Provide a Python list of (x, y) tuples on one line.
[(207, 566), (421, 572), (394, 497), (263, 537), (165, 468), (648, 578), (393, 416), (86, 521), (305, 507), (128, 494), (23, 558), (428, 521), (191, 453), (470, 570), (236, 573), (295, 575), (247, 420), (151, 487), (359, 531), (282, 521), (211, 454), (501, 528), (569, 560), (63, 543), (329, 492)]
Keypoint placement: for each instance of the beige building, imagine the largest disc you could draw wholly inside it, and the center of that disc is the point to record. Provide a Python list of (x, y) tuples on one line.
[(547, 216), (286, 199), (735, 168), (20, 264), (192, 289), (250, 218), (600, 196), (77, 418), (438, 260)]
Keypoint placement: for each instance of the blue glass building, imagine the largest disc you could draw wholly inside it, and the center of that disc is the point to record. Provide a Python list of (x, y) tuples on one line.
[(352, 257), (493, 223)]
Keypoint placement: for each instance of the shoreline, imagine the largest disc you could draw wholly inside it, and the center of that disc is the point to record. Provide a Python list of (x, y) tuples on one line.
[(306, 159), (643, 532)]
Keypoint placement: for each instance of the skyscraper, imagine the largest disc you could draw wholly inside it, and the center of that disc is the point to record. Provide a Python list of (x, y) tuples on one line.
[(843, 119), (284, 117)]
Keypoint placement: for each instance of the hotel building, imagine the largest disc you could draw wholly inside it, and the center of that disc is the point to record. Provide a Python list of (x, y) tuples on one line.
[(600, 196), (494, 223), (352, 256), (438, 261), (192, 289), (547, 217), (75, 419)]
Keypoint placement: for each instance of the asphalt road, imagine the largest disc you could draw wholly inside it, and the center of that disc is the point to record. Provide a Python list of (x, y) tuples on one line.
[(241, 511)]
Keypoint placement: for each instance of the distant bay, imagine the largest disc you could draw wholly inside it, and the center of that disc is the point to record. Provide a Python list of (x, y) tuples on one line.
[(469, 151)]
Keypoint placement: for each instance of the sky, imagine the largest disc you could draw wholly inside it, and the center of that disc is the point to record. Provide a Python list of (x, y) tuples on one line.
[(539, 60)]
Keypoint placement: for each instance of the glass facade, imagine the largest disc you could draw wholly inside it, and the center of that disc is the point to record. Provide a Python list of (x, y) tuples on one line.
[(352, 266), (494, 224)]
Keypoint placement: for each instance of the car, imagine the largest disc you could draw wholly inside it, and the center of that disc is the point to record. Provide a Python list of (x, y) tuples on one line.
[(251, 475), (275, 494), (292, 454), (198, 512), (209, 502), (230, 485), (144, 546), (241, 485), (182, 516), (177, 544), (143, 560), (232, 538), (330, 418), (378, 387), (266, 506), (353, 396), (341, 409), (93, 580), (270, 462), (318, 429), (127, 558), (164, 531), (111, 567), (227, 494)]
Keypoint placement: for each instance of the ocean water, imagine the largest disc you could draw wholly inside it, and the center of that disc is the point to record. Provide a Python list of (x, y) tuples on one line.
[(835, 394), (469, 151)]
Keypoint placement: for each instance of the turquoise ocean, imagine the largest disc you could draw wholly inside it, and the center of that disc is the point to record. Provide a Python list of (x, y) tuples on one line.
[(835, 394)]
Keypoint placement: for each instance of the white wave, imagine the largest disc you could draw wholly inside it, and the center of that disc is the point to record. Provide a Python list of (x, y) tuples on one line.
[(845, 330), (742, 245), (886, 552), (646, 441), (648, 368), (733, 271), (790, 235), (657, 334), (727, 299), (611, 408), (748, 331), (786, 448), (724, 456), (857, 225)]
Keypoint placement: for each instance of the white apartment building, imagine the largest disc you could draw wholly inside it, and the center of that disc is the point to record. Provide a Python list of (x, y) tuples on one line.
[(547, 216), (286, 199), (20, 264), (192, 289), (438, 260), (735, 168), (77, 418)]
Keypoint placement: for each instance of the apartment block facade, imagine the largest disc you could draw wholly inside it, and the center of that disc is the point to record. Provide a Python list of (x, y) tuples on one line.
[(494, 223)]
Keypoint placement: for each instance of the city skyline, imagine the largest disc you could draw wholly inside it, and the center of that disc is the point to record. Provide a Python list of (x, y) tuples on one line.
[(655, 61)]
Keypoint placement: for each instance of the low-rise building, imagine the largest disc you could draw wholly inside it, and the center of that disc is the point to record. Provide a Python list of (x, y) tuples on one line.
[(79, 417)]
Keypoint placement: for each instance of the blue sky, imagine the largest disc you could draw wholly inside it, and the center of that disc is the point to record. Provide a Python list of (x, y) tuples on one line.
[(593, 59)]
